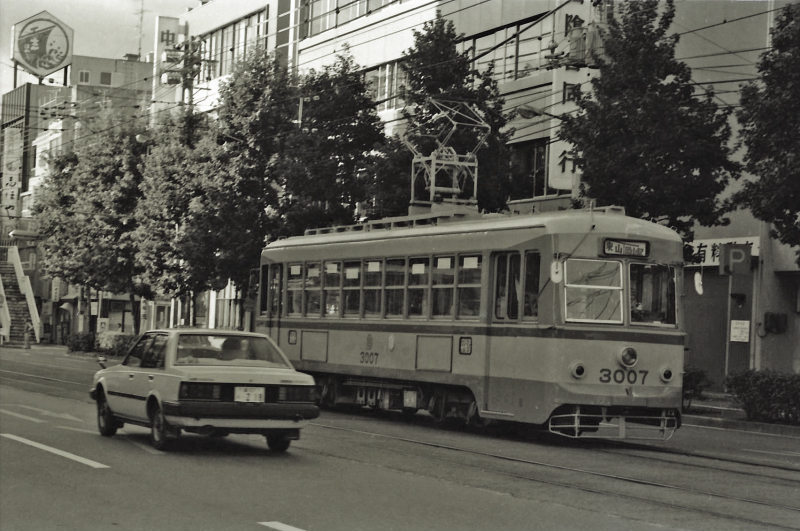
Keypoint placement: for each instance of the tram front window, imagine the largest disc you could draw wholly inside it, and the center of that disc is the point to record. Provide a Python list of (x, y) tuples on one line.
[(593, 290), (652, 294)]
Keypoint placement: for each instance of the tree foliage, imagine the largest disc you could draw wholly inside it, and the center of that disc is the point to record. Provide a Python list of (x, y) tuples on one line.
[(86, 210), (435, 68), (178, 239), (257, 111), (642, 136), (390, 180), (770, 120), (321, 165)]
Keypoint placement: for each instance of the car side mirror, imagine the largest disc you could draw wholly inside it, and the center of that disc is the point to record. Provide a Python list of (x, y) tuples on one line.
[(102, 361)]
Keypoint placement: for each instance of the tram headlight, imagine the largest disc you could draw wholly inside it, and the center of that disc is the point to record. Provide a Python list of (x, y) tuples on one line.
[(666, 374), (628, 357), (578, 370)]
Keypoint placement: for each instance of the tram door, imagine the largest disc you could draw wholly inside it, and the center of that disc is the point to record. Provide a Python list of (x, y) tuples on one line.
[(515, 294), (504, 311)]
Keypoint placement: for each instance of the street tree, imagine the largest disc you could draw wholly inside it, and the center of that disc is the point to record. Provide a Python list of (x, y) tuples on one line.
[(86, 211), (321, 166), (643, 137), (389, 182), (435, 68), (258, 109), (178, 244), (770, 122)]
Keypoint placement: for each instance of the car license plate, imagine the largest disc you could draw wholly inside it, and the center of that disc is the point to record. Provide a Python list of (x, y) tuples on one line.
[(248, 394)]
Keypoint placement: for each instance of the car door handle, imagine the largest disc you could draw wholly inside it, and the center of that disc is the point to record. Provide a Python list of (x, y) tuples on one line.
[(150, 377), (130, 377)]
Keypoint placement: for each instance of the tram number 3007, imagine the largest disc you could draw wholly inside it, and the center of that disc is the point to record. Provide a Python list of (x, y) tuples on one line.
[(370, 358), (620, 376)]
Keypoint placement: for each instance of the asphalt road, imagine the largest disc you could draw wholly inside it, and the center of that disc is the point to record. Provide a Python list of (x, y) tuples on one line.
[(358, 470)]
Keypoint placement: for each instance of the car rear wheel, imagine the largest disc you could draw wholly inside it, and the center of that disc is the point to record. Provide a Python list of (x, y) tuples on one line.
[(278, 443), (160, 433), (106, 423)]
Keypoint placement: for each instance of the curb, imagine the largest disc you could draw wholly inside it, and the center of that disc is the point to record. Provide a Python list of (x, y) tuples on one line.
[(782, 430)]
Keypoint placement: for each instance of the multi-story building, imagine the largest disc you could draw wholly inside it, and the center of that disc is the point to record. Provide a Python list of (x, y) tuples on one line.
[(48, 119), (542, 54)]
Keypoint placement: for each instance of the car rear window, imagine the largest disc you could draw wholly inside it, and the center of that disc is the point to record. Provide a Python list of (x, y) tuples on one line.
[(225, 350)]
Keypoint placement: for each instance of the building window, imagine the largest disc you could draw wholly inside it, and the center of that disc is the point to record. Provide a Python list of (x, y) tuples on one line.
[(529, 175), (516, 50), (105, 78), (328, 14), (386, 82), (84, 77), (224, 47)]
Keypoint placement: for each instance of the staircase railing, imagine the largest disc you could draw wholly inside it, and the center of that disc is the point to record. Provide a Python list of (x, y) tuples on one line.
[(5, 316), (25, 288)]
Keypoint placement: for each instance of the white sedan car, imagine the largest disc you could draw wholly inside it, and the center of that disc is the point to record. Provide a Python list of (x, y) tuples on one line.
[(212, 382)]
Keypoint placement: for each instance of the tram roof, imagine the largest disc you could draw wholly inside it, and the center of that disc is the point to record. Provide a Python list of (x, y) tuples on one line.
[(611, 220)]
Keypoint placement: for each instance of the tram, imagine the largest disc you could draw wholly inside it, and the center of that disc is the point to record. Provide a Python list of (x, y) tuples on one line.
[(569, 321)]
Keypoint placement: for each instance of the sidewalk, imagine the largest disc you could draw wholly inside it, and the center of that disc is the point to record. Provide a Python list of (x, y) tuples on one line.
[(719, 410), (715, 410)]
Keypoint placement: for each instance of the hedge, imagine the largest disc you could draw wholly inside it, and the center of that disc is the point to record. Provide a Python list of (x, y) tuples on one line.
[(81, 342), (115, 345), (767, 396)]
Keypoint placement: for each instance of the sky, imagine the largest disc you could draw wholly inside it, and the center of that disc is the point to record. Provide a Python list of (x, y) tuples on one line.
[(103, 28)]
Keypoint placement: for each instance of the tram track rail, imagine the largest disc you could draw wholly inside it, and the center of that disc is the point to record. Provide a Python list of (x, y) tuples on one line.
[(614, 478), (17, 376)]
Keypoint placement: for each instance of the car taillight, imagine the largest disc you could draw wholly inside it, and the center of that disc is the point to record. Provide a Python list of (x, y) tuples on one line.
[(199, 391), (305, 393)]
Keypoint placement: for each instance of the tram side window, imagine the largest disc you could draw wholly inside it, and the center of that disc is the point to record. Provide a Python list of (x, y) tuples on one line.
[(333, 283), (274, 289), (593, 290), (351, 291), (469, 286), (263, 303), (419, 273), (395, 287), (443, 276), (312, 289), (373, 280), (294, 290), (530, 307), (507, 284)]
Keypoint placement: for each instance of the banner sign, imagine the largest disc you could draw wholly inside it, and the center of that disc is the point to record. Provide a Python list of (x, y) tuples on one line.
[(707, 251)]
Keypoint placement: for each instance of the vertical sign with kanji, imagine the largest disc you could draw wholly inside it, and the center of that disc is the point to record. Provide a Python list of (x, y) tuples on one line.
[(12, 177)]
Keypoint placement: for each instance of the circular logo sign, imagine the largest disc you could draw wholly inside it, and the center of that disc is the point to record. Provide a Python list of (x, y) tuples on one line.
[(43, 44)]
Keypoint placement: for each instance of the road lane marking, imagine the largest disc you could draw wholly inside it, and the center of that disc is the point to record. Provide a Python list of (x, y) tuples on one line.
[(279, 526), (56, 451), (46, 413), (26, 417)]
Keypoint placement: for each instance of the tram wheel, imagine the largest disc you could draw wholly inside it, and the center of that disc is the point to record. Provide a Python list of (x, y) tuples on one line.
[(328, 395), (437, 409)]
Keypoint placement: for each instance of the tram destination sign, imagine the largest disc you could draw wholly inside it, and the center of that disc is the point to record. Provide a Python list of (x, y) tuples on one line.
[(626, 248)]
